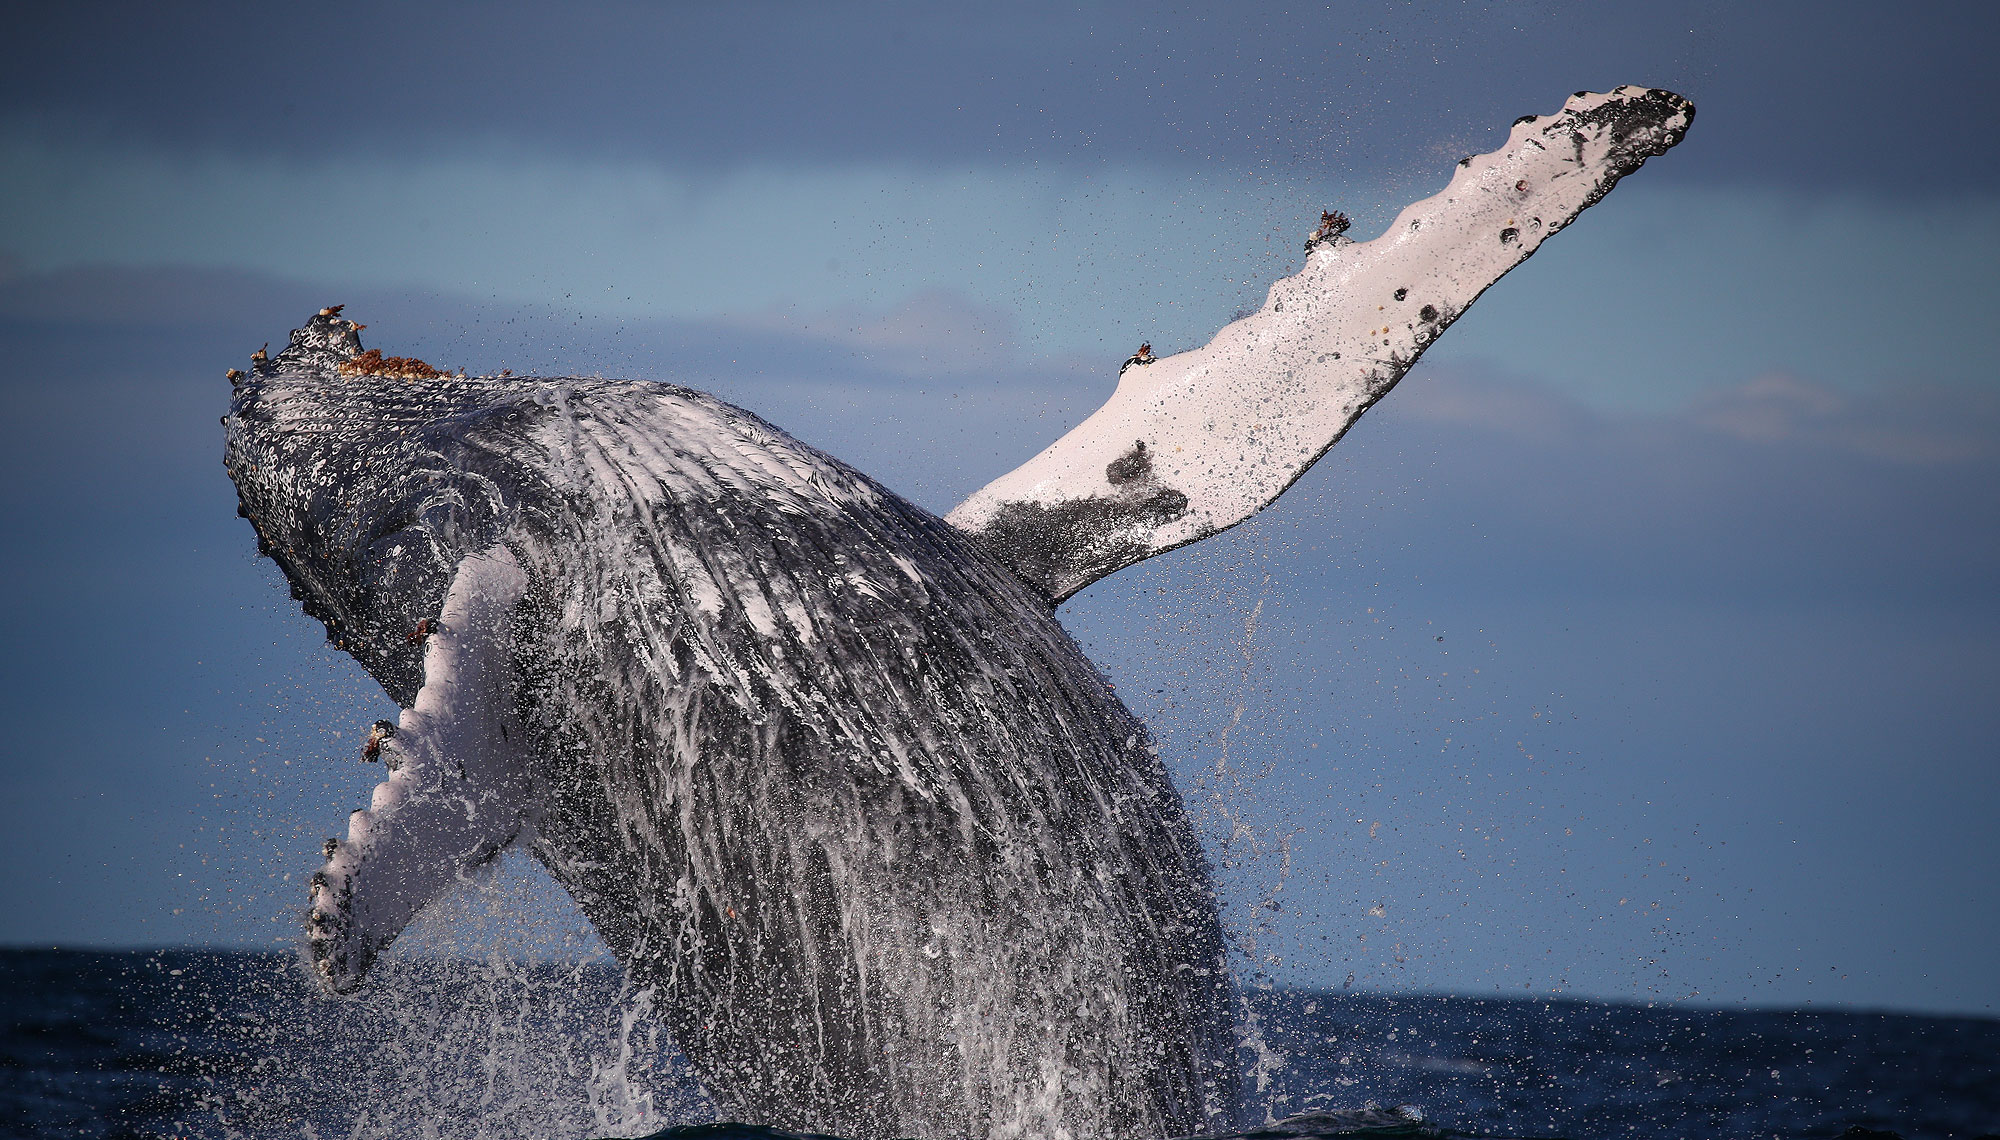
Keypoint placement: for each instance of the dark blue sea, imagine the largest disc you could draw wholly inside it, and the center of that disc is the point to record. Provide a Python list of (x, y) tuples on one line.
[(216, 1044)]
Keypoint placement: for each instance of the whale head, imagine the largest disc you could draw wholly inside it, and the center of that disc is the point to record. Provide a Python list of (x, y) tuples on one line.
[(352, 479)]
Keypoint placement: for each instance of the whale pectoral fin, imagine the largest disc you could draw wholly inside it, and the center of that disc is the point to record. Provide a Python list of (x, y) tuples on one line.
[(1192, 444), (459, 789)]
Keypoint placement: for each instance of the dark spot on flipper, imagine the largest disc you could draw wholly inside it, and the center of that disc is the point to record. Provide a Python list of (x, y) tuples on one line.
[(1427, 313), (1060, 548), (1637, 127), (1509, 236), (1402, 293), (1133, 465)]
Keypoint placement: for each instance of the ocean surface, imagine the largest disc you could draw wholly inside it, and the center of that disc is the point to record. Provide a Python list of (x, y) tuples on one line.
[(185, 1043)]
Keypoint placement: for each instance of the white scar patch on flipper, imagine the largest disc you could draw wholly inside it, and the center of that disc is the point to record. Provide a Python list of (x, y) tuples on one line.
[(459, 789)]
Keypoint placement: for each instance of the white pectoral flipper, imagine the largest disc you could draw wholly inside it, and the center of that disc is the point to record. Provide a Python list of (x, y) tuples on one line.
[(1191, 444), (458, 791)]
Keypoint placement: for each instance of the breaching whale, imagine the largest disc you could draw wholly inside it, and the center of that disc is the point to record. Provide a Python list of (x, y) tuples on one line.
[(821, 767)]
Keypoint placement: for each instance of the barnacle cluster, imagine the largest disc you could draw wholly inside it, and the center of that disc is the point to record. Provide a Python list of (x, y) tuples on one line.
[(1332, 224), (373, 363)]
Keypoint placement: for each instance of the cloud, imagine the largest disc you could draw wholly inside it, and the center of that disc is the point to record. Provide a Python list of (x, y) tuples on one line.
[(1911, 423), (1848, 95), (1779, 488), (1917, 423), (1079, 258), (1657, 296), (149, 296), (1772, 407), (932, 333), (1462, 398)]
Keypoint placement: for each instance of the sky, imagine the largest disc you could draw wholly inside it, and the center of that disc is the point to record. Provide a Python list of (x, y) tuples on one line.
[(1639, 646)]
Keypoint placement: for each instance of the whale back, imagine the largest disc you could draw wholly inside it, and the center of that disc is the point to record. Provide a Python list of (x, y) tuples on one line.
[(881, 813)]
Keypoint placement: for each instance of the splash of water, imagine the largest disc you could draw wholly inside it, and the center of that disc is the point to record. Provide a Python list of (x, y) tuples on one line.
[(498, 1015)]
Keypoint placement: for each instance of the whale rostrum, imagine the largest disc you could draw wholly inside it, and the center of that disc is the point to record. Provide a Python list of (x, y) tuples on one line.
[(822, 768)]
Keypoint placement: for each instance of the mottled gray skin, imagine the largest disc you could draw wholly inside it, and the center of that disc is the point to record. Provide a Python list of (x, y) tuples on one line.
[(818, 767)]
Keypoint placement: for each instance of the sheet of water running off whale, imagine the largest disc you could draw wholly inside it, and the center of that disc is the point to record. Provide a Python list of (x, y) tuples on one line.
[(822, 768)]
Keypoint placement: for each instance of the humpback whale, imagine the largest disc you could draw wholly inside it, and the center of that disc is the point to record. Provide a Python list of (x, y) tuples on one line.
[(823, 768)]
